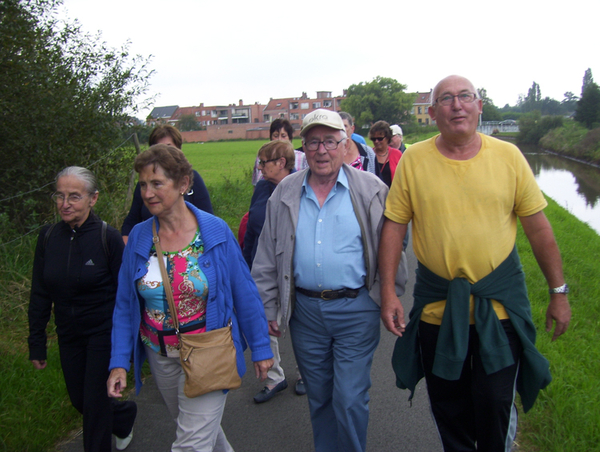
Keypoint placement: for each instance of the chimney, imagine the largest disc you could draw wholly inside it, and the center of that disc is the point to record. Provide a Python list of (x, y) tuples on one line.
[(241, 102)]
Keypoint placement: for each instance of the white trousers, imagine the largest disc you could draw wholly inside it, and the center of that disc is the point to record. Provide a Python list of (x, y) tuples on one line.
[(199, 418), (275, 374)]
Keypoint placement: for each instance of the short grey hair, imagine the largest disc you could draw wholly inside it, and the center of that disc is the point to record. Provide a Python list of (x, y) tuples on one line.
[(347, 116), (83, 174)]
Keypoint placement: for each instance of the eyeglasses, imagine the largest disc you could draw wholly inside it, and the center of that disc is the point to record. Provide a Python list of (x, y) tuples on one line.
[(464, 98), (264, 162), (376, 139), (59, 198), (329, 144)]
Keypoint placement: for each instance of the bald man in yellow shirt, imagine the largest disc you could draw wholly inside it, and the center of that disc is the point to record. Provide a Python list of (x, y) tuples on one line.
[(470, 331)]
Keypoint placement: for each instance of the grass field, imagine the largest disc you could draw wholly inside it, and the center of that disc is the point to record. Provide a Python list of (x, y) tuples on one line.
[(35, 411)]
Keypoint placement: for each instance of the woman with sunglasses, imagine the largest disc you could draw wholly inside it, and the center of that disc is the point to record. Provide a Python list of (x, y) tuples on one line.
[(387, 156), (75, 268)]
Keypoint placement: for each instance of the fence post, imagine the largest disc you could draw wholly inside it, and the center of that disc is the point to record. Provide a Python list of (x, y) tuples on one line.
[(130, 188)]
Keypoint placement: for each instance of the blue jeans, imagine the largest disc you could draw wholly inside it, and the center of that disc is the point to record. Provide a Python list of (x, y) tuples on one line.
[(334, 342)]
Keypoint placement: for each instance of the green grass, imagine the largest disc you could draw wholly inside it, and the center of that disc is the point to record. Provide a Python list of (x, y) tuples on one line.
[(566, 415), (36, 413)]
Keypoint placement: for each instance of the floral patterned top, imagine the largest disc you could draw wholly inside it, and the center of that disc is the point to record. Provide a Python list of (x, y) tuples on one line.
[(190, 292)]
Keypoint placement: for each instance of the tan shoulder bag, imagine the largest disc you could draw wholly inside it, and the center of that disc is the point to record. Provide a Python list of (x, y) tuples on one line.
[(208, 359)]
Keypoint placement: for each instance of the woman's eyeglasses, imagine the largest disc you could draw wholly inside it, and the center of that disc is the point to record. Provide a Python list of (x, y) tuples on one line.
[(264, 162)]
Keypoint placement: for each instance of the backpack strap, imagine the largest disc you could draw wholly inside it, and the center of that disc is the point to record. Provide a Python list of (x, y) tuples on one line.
[(104, 244), (47, 236)]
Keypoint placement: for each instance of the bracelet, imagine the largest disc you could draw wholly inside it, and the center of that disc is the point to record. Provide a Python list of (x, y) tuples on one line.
[(561, 289)]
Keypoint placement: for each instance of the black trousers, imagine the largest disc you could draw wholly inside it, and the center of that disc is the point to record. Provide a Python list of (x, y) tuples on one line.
[(85, 361), (477, 411)]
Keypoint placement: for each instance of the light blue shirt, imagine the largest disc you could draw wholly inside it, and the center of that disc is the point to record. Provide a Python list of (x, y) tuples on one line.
[(328, 252)]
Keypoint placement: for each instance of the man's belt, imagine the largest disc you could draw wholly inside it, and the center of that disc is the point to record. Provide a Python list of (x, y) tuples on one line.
[(330, 294)]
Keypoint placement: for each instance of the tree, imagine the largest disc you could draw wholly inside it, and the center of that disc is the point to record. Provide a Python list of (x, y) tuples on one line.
[(587, 80), (490, 112), (64, 100), (533, 99), (381, 99), (588, 107), (569, 103), (188, 123)]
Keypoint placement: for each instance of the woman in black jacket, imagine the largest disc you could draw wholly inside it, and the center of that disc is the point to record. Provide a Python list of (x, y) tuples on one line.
[(76, 268), (197, 195)]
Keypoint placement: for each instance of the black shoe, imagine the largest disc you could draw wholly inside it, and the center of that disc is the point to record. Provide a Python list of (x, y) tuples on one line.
[(267, 394), (300, 388)]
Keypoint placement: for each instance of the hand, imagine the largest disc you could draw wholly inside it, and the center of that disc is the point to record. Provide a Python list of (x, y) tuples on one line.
[(392, 314), (274, 328), (558, 310), (261, 368), (39, 364), (117, 381)]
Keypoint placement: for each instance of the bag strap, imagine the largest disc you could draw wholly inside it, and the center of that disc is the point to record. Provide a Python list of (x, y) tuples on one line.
[(165, 277)]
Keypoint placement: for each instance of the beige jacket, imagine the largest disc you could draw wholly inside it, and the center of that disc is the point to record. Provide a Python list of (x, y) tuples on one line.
[(272, 267)]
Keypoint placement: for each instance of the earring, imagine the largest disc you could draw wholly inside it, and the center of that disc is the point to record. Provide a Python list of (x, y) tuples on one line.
[(183, 193)]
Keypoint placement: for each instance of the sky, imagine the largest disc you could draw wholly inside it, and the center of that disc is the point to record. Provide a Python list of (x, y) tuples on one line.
[(218, 52)]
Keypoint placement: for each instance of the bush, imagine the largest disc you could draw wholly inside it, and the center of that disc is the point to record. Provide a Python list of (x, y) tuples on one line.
[(63, 101), (532, 126)]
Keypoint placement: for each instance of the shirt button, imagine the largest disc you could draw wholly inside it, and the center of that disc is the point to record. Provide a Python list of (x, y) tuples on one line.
[(318, 265), (320, 220), (319, 242)]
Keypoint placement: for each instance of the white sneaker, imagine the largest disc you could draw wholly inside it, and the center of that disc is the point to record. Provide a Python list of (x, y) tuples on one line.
[(122, 443)]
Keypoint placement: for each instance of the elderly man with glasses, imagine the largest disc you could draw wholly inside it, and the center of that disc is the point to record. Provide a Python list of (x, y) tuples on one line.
[(316, 271), (470, 332)]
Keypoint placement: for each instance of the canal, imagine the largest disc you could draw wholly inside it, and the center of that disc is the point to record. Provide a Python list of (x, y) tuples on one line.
[(573, 185)]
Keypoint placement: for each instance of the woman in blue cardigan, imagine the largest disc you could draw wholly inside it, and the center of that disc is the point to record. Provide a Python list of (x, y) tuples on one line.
[(211, 284)]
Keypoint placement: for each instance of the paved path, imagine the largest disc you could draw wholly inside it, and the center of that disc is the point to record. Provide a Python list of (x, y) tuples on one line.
[(283, 423)]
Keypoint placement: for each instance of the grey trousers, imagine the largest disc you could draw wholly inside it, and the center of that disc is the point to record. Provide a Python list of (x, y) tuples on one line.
[(199, 418)]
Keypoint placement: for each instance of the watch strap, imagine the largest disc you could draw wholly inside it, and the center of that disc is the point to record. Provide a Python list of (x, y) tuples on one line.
[(561, 289)]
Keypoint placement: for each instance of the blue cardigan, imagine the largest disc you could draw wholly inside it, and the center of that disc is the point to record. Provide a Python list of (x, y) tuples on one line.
[(231, 294)]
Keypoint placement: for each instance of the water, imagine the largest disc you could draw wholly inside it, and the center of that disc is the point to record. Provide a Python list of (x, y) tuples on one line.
[(573, 185)]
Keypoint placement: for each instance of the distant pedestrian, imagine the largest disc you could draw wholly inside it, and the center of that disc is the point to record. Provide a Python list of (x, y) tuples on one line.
[(387, 156), (359, 155), (197, 195)]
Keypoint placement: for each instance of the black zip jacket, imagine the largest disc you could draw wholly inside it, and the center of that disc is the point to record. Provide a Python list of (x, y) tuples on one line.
[(72, 271)]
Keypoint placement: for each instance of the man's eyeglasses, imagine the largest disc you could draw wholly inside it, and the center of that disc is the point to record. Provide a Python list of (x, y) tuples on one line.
[(464, 98), (376, 139), (264, 162), (329, 144), (59, 198)]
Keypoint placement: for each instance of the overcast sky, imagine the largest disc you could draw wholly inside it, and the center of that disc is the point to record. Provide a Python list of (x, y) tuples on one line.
[(218, 52)]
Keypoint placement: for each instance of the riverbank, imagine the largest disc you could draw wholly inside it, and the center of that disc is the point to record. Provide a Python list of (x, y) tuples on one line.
[(574, 141)]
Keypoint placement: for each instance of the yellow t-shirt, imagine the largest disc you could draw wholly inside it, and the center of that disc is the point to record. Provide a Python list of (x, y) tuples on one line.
[(464, 212)]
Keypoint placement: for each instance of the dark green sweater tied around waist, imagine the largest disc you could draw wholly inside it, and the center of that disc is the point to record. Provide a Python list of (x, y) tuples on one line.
[(506, 284)]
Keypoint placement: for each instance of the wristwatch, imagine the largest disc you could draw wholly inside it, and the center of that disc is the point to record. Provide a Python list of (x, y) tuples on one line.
[(561, 289)]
